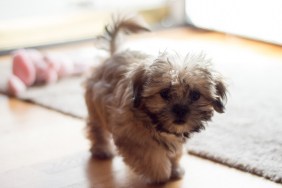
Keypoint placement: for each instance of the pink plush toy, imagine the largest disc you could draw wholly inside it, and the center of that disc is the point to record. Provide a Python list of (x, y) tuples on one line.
[(31, 67)]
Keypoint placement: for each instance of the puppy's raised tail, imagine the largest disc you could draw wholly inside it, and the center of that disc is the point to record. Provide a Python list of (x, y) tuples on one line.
[(113, 32)]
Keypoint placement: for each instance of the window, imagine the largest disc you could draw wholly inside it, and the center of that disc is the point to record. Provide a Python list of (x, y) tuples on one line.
[(257, 19)]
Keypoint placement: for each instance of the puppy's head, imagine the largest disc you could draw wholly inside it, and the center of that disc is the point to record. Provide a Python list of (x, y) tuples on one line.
[(179, 95)]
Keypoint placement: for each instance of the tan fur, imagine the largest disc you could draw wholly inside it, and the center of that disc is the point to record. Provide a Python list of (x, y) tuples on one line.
[(127, 101)]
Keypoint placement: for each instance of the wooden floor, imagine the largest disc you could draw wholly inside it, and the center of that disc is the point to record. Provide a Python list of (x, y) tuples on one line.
[(42, 148)]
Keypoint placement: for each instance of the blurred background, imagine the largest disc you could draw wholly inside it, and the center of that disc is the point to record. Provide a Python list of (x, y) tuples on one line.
[(35, 23)]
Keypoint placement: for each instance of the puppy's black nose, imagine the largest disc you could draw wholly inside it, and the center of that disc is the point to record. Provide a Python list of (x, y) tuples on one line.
[(180, 111)]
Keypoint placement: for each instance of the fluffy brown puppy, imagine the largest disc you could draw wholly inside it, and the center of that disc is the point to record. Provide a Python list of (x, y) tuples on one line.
[(149, 105)]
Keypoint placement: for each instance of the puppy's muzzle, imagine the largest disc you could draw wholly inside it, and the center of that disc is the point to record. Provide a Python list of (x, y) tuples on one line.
[(180, 112)]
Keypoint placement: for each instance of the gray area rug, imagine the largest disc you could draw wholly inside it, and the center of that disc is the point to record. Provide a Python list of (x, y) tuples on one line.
[(248, 136)]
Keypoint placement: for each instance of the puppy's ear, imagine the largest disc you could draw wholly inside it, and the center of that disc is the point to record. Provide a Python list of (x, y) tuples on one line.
[(221, 90), (138, 81)]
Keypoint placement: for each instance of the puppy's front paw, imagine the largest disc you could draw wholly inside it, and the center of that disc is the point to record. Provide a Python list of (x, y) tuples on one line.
[(177, 173), (102, 152)]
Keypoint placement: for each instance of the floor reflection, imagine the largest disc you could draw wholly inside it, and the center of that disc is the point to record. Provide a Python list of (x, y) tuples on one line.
[(115, 174)]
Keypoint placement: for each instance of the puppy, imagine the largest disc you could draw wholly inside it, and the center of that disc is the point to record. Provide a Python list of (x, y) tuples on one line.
[(149, 105)]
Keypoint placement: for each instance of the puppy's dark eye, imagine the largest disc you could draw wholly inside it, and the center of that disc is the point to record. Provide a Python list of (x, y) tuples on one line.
[(165, 94), (195, 95)]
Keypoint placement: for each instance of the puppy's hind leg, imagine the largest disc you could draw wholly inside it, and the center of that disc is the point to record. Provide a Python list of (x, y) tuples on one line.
[(98, 135), (100, 140)]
